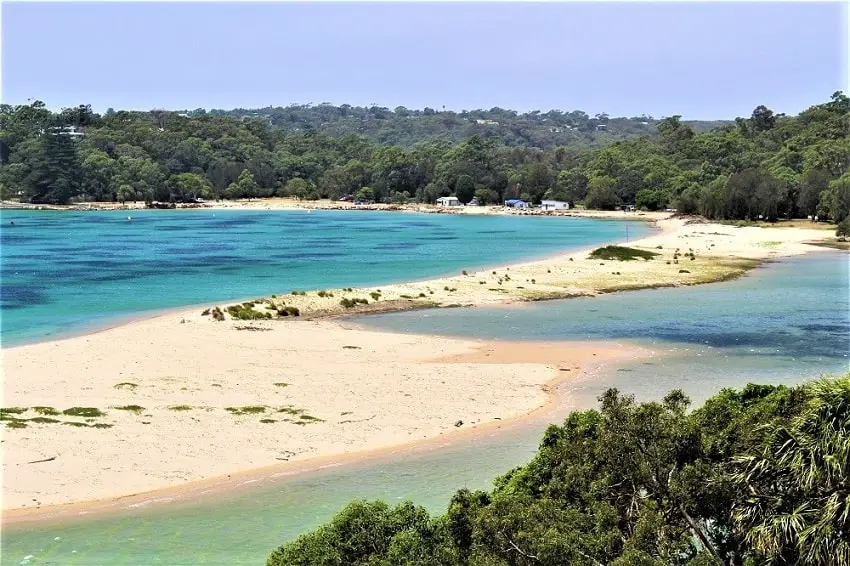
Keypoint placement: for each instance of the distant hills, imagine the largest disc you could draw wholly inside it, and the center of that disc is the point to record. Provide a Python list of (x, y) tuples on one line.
[(405, 127)]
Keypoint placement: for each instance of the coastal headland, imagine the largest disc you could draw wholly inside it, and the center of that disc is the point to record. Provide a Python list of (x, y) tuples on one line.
[(172, 400)]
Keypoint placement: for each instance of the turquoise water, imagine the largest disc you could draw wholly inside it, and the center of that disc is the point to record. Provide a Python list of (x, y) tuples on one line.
[(63, 272), (780, 324)]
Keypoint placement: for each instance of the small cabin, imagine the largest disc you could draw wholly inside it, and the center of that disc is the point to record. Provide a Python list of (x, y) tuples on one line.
[(516, 203), (554, 205), (448, 201)]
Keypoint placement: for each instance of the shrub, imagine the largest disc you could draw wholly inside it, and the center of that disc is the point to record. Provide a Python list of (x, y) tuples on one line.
[(249, 410), (17, 424), (217, 314), (50, 411), (206, 313), (131, 408), (621, 253), (324, 294), (375, 295), (83, 412), (354, 301)]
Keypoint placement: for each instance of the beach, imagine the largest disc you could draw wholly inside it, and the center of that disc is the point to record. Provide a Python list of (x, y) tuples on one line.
[(187, 398)]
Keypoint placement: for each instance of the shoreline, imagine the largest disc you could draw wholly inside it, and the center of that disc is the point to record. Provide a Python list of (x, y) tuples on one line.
[(518, 410), (292, 204)]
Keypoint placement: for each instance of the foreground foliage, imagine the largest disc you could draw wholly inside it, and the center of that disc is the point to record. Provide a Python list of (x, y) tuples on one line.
[(767, 166), (757, 476)]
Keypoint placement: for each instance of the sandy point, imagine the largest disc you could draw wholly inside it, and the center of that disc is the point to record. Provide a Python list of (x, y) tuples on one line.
[(184, 400)]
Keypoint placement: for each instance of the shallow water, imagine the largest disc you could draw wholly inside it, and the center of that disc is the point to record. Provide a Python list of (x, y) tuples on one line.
[(781, 324), (64, 272)]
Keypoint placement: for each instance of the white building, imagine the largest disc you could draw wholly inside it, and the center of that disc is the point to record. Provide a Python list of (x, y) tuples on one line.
[(554, 205), (448, 201)]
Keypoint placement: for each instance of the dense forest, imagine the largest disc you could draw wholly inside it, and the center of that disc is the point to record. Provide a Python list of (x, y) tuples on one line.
[(767, 166), (756, 476), (406, 127)]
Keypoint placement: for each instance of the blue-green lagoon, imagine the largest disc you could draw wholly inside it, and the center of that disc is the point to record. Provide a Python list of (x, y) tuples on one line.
[(66, 272)]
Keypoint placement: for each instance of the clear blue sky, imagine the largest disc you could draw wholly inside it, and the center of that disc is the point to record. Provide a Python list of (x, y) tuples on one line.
[(700, 60)]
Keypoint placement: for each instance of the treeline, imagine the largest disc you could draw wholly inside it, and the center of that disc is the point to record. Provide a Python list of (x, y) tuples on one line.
[(406, 127), (766, 166), (757, 476)]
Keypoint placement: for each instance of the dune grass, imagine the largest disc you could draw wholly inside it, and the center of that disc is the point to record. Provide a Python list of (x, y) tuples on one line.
[(621, 253)]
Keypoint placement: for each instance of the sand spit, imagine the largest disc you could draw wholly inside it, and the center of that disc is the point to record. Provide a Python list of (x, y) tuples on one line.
[(185, 401)]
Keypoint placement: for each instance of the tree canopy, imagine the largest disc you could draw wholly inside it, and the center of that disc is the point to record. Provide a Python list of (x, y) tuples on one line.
[(768, 166), (754, 476)]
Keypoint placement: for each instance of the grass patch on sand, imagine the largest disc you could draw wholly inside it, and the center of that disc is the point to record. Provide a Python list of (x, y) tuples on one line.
[(267, 421), (6, 412), (84, 425), (42, 420), (281, 384), (621, 253), (83, 412), (180, 408), (351, 347), (47, 411), (16, 424), (249, 410), (125, 385), (131, 408)]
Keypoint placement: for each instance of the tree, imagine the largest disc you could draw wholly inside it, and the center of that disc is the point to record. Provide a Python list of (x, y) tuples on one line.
[(796, 487), (125, 193), (651, 199), (843, 229), (244, 187), (762, 119), (754, 476), (815, 181), (187, 187), (836, 198), (366, 194), (601, 194), (464, 188)]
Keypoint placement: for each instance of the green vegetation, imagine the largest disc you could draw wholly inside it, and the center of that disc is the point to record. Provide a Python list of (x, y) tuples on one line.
[(6, 411), (281, 384), (125, 385), (353, 302), (83, 412), (621, 253), (47, 411), (351, 347), (324, 294), (16, 424), (766, 166), (180, 408), (754, 476), (42, 420), (246, 311), (251, 410), (288, 311), (131, 408)]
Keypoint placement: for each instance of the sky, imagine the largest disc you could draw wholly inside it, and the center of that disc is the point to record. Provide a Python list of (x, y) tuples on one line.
[(713, 60)]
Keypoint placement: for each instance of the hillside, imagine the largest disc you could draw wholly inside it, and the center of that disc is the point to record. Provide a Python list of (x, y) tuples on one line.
[(767, 166), (405, 127)]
